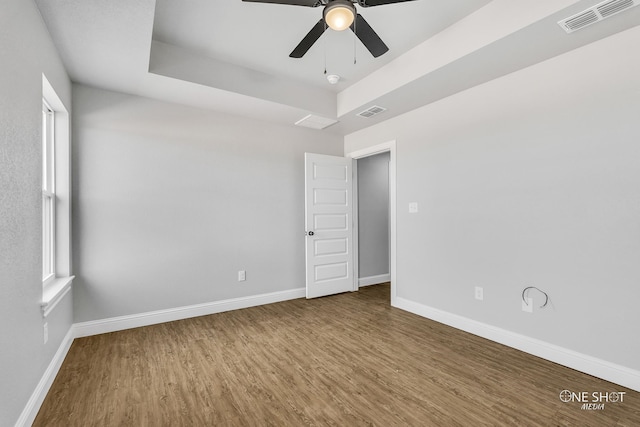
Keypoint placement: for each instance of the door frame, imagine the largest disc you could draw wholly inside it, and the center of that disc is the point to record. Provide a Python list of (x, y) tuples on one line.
[(389, 147)]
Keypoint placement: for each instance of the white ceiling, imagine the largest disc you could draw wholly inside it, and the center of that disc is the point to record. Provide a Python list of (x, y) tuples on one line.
[(232, 56), (260, 36)]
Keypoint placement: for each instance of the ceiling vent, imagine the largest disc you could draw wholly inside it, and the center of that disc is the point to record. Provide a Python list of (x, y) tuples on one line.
[(596, 13), (371, 111), (315, 122)]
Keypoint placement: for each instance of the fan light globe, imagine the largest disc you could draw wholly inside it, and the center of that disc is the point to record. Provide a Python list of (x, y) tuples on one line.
[(339, 15)]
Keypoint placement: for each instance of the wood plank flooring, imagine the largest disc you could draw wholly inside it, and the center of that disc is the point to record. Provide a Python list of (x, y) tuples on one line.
[(345, 360)]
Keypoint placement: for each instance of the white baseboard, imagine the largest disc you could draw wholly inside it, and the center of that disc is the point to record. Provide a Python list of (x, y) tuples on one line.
[(30, 411), (374, 280), (113, 324), (617, 374)]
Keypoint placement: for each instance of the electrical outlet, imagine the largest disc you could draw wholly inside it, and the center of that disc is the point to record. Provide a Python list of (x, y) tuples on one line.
[(528, 306), (242, 276), (479, 293), (46, 332), (413, 207)]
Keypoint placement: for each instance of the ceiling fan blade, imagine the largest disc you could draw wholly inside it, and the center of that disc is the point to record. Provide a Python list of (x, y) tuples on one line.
[(309, 3), (370, 3), (308, 40), (368, 37)]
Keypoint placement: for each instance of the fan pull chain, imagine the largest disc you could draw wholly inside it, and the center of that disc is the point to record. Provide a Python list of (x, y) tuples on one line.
[(354, 41), (324, 42)]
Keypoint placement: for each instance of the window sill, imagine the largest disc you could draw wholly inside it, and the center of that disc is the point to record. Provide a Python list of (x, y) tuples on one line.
[(53, 293)]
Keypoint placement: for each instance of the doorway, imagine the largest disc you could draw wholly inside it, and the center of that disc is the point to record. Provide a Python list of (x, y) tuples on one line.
[(390, 148), (372, 195)]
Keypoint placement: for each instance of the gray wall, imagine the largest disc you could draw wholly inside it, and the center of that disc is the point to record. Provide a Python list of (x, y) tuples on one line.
[(26, 51), (530, 179), (373, 215), (171, 201)]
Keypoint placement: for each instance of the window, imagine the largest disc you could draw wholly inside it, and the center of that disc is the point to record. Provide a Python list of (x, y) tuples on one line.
[(56, 199), (48, 194)]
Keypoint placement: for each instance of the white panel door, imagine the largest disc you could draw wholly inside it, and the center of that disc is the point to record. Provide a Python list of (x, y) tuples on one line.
[(329, 225)]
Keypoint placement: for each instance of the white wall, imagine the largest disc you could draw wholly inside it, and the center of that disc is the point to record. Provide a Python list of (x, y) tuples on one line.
[(171, 201), (530, 179), (373, 215), (26, 51)]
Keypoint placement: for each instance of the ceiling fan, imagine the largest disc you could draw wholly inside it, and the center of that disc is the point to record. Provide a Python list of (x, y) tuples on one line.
[(338, 15)]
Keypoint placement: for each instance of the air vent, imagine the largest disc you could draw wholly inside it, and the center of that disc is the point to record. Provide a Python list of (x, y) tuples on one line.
[(371, 111), (582, 20), (315, 122), (596, 13), (609, 8)]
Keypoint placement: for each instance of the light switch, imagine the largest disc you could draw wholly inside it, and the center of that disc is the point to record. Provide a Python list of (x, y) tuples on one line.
[(413, 207)]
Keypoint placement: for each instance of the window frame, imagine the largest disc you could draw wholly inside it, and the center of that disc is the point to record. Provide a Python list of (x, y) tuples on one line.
[(48, 194), (56, 199)]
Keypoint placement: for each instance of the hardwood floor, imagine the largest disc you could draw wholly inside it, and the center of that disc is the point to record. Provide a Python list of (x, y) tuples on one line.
[(345, 360)]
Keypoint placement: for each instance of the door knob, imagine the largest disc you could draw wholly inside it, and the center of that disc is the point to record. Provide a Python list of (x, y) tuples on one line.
[(309, 233)]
